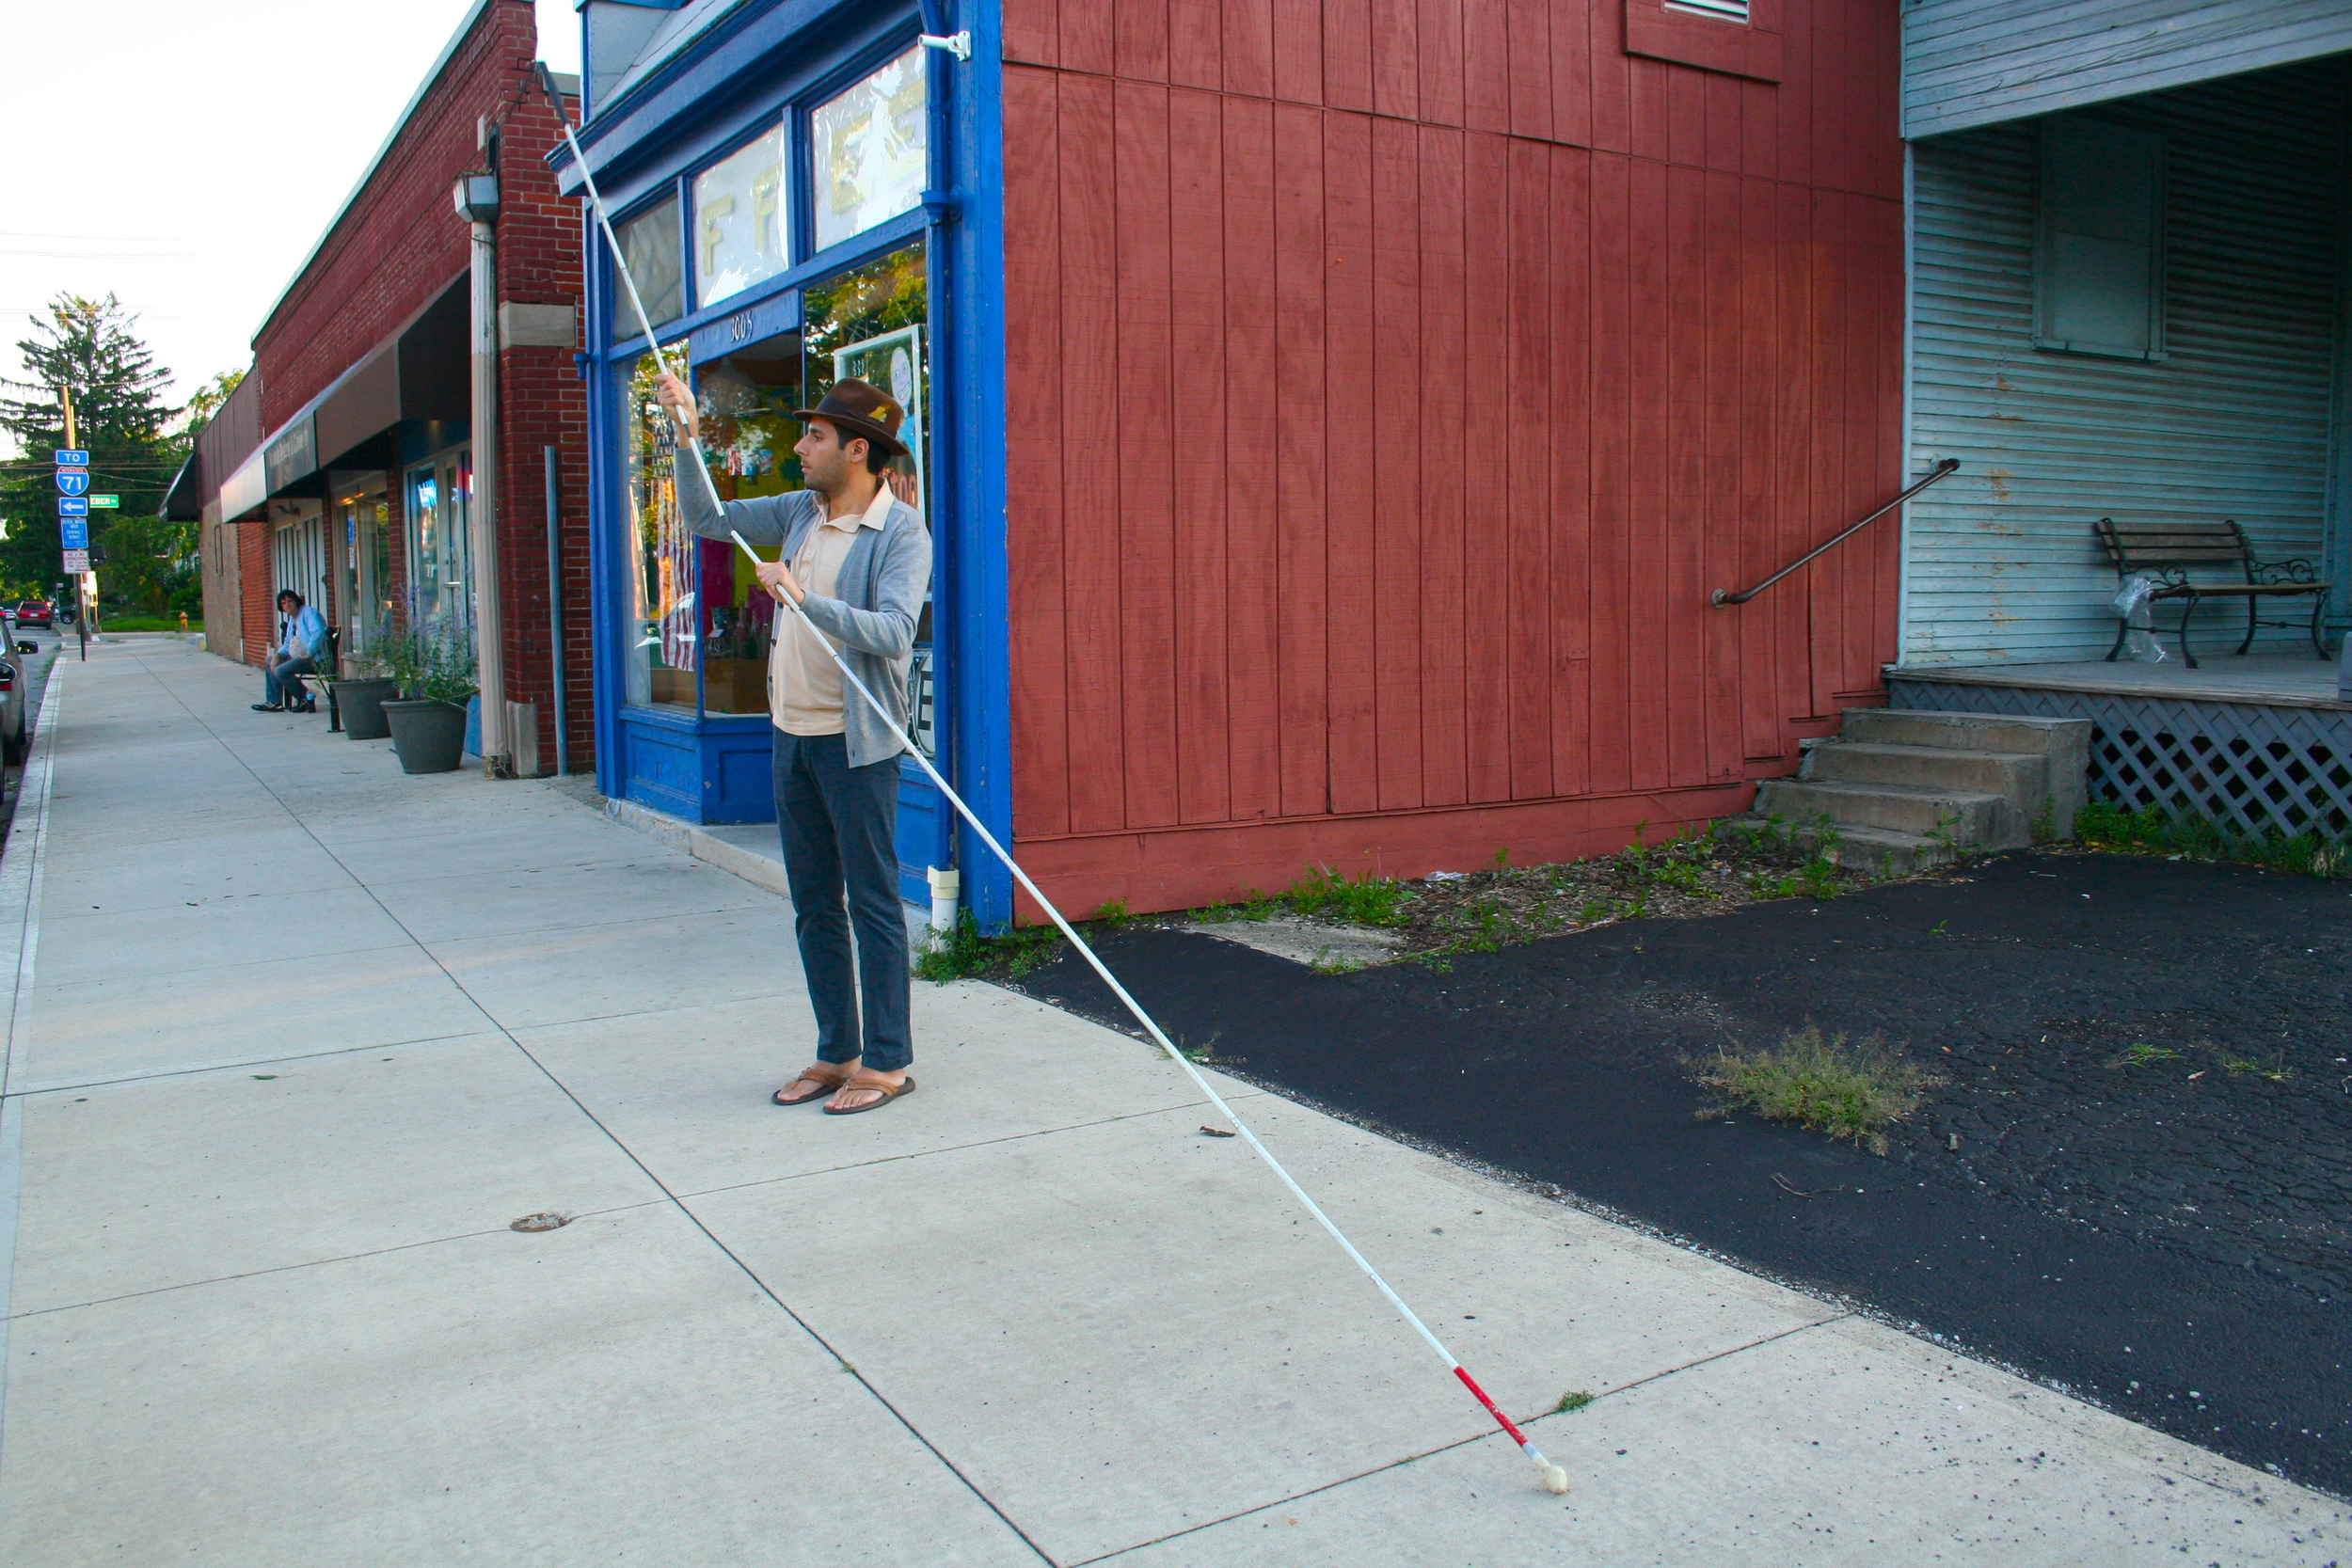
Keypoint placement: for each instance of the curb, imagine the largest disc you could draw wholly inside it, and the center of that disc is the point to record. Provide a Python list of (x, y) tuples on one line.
[(678, 833), (20, 917)]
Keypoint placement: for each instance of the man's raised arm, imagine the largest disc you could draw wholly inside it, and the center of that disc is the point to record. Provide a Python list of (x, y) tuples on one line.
[(760, 520)]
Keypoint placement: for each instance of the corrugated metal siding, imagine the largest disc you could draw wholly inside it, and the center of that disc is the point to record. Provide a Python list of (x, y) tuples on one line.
[(2001, 564), (1969, 63)]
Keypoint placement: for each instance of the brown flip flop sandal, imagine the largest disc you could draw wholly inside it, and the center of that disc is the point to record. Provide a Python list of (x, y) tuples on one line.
[(827, 1075), (861, 1079)]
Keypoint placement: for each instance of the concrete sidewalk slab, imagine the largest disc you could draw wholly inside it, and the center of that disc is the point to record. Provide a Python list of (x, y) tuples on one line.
[(1129, 1341), (255, 1011), (195, 936), (612, 1391), (584, 841), (625, 966), (688, 1089), (145, 1185), (1849, 1445), (518, 899), (97, 878), (1070, 1313)]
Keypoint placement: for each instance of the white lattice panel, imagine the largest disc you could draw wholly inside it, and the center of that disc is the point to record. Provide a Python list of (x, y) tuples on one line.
[(2246, 767)]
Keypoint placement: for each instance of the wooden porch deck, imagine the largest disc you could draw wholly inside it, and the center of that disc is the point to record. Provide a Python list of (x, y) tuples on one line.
[(2271, 680)]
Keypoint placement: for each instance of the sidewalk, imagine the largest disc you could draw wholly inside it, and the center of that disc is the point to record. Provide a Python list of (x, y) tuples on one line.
[(295, 1037)]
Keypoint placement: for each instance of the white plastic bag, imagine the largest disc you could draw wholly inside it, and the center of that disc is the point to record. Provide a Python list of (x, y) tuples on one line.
[(2134, 602)]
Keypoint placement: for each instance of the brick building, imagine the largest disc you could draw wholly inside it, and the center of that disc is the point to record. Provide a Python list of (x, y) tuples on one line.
[(345, 467)]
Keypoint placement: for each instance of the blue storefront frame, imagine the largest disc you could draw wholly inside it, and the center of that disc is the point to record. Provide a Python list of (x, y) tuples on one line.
[(694, 108)]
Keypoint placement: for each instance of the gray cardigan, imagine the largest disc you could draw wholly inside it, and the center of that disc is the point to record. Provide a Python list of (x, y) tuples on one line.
[(879, 598)]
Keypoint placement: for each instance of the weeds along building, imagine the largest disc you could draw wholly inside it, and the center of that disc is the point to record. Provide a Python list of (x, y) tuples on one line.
[(1333, 418), (364, 463)]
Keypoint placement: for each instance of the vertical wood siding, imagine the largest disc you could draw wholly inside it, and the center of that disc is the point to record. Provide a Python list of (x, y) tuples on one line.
[(2233, 423), (1391, 383), (1969, 63)]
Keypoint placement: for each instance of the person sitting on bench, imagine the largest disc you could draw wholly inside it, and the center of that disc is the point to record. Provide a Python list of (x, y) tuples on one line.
[(302, 638)]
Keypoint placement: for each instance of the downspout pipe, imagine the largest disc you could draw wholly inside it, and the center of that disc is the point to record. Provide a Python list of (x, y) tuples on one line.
[(477, 199), (942, 54), (555, 606)]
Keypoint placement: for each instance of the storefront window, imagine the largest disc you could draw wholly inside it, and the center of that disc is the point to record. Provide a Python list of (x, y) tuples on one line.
[(869, 322), (747, 400), (865, 323), (739, 220), (665, 649), (868, 147), (649, 242), (360, 593), (440, 497)]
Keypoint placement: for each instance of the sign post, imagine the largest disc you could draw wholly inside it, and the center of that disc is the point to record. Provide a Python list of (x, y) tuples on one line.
[(73, 504)]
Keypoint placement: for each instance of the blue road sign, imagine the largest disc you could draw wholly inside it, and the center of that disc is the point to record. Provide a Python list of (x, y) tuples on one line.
[(75, 532), (73, 481), (70, 457), (72, 506)]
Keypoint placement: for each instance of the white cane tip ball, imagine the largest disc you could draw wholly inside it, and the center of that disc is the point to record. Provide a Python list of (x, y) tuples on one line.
[(1555, 1480)]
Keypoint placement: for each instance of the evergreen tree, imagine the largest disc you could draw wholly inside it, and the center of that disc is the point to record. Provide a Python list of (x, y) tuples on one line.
[(89, 346)]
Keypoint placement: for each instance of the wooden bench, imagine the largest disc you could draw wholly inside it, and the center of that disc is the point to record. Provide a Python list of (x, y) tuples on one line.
[(2166, 553)]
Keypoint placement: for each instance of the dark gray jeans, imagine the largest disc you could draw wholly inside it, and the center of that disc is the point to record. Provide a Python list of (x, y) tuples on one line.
[(840, 856), (278, 681)]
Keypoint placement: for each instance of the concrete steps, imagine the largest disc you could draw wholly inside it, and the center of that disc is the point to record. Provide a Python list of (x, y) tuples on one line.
[(1906, 789)]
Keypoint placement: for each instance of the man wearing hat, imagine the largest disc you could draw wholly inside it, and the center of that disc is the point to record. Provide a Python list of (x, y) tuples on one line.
[(857, 559)]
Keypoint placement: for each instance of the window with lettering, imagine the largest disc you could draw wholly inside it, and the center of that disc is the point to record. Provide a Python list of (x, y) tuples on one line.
[(740, 219), (867, 147)]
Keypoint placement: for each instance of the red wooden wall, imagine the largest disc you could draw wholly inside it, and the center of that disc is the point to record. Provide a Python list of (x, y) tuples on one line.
[(1390, 384)]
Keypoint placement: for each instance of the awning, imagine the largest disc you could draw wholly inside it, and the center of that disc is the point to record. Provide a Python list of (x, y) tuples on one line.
[(184, 502), (420, 372)]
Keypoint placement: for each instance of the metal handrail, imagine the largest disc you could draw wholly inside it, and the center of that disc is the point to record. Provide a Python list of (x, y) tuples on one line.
[(1941, 470)]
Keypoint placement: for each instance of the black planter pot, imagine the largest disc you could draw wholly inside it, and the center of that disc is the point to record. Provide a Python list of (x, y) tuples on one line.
[(363, 706), (429, 737)]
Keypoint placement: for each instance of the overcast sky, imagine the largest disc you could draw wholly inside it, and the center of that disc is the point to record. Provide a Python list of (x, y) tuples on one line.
[(217, 142)]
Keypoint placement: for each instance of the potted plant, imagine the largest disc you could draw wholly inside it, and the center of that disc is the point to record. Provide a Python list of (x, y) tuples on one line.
[(361, 696), (435, 669)]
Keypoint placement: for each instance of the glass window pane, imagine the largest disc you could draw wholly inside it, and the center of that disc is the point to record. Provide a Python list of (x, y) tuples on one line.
[(867, 147), (649, 244), (739, 220), (663, 648), (870, 323), (748, 430)]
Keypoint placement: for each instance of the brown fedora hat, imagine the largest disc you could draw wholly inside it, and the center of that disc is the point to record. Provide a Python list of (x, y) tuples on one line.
[(861, 408)]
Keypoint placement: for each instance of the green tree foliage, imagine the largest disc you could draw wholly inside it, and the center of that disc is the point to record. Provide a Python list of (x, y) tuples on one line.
[(89, 346), (209, 397)]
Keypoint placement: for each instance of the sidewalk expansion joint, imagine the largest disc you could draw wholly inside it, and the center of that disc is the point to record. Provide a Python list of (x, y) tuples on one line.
[(1465, 1442), (958, 1148), (313, 1263), (149, 1075)]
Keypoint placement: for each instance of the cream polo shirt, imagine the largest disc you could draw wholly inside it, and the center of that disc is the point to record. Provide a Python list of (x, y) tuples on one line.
[(804, 682)]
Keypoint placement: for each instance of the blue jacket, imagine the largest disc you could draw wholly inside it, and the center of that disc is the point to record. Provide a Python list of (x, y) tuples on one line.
[(879, 599), (305, 635)]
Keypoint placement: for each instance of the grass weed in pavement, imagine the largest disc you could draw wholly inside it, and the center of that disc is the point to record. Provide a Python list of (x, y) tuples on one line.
[(1849, 1089)]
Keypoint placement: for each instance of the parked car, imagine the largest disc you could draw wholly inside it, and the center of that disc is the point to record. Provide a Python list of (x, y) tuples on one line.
[(37, 612), (12, 735)]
